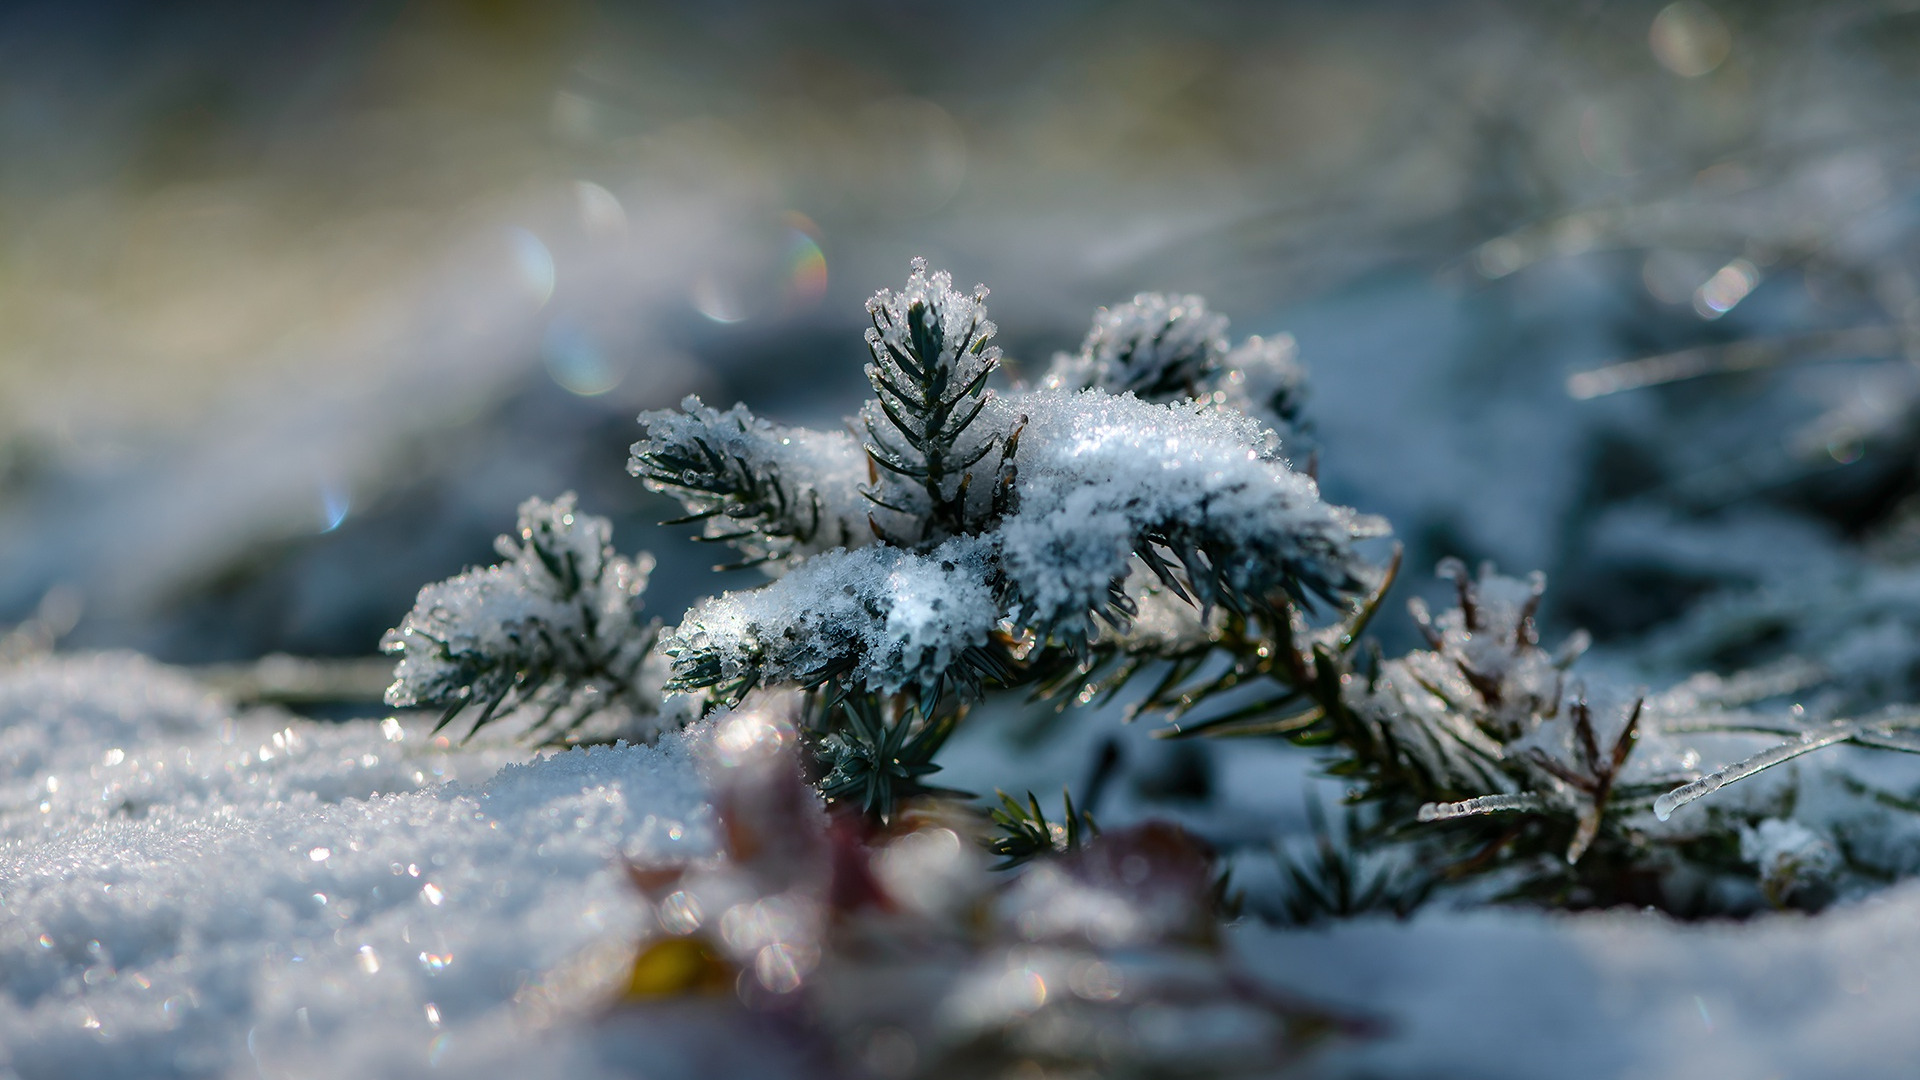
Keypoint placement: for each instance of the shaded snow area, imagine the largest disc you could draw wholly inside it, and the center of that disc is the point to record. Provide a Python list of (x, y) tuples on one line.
[(191, 892), (1502, 995)]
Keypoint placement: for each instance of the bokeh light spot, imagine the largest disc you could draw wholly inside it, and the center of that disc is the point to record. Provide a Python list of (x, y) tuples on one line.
[(806, 270), (601, 214), (576, 361), (1727, 287), (534, 263), (1689, 39), (716, 300), (334, 504)]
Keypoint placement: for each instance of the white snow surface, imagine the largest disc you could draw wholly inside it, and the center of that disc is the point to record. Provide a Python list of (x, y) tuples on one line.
[(189, 892), (162, 859)]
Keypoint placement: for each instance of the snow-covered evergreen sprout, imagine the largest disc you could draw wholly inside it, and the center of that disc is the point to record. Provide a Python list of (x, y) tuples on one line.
[(1171, 348), (936, 473), (1010, 532), (1085, 489), (772, 492), (1134, 514), (555, 629)]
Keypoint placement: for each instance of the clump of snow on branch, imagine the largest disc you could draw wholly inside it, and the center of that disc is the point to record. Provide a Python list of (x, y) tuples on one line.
[(555, 629), (1101, 478), (887, 617), (772, 492)]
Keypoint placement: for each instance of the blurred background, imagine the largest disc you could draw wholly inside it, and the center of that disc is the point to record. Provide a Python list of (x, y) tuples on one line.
[(298, 301)]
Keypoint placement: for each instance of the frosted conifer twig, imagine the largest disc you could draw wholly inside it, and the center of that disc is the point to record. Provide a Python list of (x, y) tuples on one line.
[(772, 492), (931, 359), (554, 628), (1165, 348)]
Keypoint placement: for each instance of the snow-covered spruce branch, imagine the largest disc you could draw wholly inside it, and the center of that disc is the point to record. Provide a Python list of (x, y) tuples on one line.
[(1483, 737), (1135, 514), (555, 629), (1015, 530), (1192, 491), (771, 492), (1480, 722), (976, 540)]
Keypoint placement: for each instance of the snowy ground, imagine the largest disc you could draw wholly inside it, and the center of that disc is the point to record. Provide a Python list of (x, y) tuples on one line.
[(191, 892), (1495, 994)]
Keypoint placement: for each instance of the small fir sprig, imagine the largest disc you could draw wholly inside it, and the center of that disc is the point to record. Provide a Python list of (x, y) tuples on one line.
[(1158, 347), (772, 492), (984, 575), (1022, 831), (555, 630), (1161, 347), (873, 762), (1478, 756), (931, 360)]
